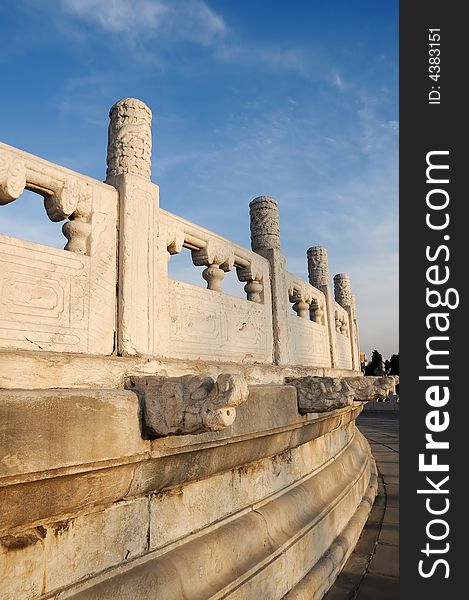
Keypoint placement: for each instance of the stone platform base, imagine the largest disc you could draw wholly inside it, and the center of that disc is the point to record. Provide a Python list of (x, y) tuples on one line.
[(264, 551), (268, 509)]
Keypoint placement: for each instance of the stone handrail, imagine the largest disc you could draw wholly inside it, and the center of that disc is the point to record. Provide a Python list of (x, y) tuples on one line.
[(308, 301), (161, 439), (67, 194), (341, 319), (51, 299), (218, 254), (158, 316)]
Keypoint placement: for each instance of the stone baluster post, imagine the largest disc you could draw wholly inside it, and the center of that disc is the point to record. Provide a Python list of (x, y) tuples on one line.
[(318, 273), (128, 170), (342, 290), (344, 297), (300, 306), (356, 337), (265, 240)]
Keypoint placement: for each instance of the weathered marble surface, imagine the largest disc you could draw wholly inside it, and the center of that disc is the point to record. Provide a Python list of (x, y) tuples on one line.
[(152, 315), (377, 387), (53, 299), (318, 274), (240, 508), (262, 551), (189, 404), (98, 457), (342, 290), (265, 226), (42, 370), (346, 322), (265, 240), (318, 266), (210, 324), (200, 516), (129, 145), (322, 394)]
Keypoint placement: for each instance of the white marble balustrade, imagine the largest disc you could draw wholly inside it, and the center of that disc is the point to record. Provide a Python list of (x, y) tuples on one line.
[(59, 300), (109, 292)]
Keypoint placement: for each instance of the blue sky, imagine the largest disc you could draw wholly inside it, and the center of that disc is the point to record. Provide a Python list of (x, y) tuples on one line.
[(297, 100)]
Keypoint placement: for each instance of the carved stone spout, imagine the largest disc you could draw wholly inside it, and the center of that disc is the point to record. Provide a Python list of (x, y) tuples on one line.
[(322, 394), (189, 404), (372, 388)]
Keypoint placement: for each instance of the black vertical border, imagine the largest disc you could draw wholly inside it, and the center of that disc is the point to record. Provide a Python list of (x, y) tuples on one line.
[(424, 128)]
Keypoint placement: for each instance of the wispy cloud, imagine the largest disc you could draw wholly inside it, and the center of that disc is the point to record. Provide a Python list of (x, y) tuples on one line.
[(188, 19), (394, 125), (337, 80), (277, 58), (374, 131)]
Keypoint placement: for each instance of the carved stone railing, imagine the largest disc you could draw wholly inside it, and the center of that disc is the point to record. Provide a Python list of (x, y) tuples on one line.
[(342, 337), (345, 298), (218, 255), (67, 195), (308, 302), (341, 320), (210, 324), (72, 306), (215, 450), (309, 336), (53, 299)]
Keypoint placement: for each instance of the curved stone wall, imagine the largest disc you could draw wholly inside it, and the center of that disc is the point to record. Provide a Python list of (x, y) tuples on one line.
[(268, 508), (99, 498)]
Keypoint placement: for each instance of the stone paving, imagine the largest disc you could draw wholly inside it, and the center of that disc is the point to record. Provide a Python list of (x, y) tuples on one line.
[(372, 571)]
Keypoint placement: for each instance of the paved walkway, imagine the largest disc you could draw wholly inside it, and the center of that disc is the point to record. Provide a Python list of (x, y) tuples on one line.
[(372, 571)]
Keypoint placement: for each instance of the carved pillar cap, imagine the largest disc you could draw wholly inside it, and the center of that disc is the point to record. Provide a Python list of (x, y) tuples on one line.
[(129, 139), (190, 403), (323, 394), (265, 223), (125, 107), (318, 266), (342, 290)]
